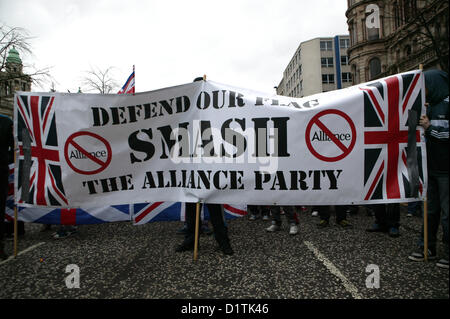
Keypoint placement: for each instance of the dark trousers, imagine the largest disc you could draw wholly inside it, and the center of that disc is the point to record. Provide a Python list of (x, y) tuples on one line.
[(258, 210), (437, 197), (324, 212), (216, 217), (265, 210), (387, 215), (412, 208), (9, 228), (253, 209), (289, 211)]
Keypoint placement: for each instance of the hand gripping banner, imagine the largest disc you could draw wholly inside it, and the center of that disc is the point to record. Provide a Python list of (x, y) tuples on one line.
[(215, 143)]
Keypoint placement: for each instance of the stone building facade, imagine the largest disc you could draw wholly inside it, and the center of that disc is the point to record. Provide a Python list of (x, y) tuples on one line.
[(12, 79), (393, 36)]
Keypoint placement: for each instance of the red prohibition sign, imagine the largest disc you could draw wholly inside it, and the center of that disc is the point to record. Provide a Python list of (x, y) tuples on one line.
[(71, 141), (345, 150)]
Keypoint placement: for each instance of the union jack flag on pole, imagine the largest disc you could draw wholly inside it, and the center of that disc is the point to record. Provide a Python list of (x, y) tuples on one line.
[(128, 87)]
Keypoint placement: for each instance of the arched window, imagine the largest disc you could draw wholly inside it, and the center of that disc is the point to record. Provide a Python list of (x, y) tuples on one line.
[(374, 67)]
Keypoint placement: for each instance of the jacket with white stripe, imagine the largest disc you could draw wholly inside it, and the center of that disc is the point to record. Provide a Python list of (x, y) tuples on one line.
[(436, 83)]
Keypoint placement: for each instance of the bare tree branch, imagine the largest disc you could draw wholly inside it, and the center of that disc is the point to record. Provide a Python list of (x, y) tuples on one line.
[(100, 80)]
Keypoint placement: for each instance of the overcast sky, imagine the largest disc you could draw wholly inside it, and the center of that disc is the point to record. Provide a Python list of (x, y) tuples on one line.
[(245, 43)]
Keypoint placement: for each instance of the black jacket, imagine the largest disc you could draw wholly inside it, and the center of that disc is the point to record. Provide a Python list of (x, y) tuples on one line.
[(436, 83), (6, 141)]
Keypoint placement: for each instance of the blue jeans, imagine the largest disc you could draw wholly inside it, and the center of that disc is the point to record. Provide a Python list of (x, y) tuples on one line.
[(437, 209)]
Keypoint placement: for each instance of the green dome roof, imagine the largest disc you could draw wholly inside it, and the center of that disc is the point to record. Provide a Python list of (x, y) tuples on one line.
[(13, 56)]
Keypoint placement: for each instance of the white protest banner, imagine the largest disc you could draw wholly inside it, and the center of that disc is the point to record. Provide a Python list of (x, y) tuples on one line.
[(216, 143)]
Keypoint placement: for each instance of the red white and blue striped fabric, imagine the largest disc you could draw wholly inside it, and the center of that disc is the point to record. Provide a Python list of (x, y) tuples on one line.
[(167, 211), (128, 87)]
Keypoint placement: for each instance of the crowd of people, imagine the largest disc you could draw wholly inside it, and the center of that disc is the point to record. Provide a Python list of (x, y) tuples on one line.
[(387, 216)]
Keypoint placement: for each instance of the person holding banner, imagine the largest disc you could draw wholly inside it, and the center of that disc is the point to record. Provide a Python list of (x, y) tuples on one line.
[(217, 220), (435, 123), (6, 154)]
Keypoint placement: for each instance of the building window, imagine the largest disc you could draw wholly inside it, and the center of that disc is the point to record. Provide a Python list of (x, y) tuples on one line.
[(344, 43), (374, 67), (327, 78), (344, 60), (346, 77), (326, 62), (326, 46), (353, 33), (373, 33)]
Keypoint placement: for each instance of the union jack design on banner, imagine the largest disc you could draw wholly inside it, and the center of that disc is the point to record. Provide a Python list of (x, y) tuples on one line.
[(72, 216), (128, 87), (63, 216), (386, 105), (234, 210), (37, 115), (167, 211), (156, 211)]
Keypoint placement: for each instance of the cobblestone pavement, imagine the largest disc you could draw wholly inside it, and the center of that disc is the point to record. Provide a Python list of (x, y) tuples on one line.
[(119, 260)]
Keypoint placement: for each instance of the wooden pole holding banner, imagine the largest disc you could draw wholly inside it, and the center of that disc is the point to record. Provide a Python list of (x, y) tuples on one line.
[(197, 224), (197, 218), (425, 215)]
